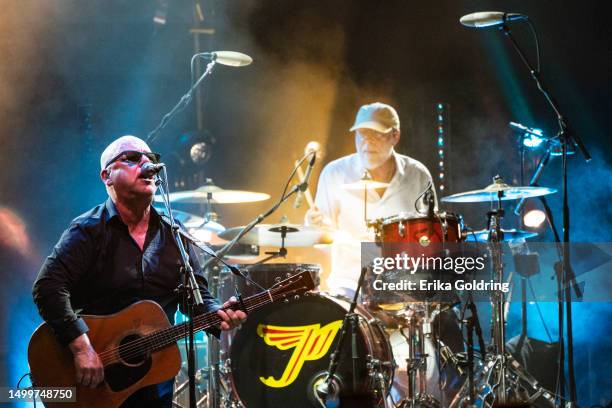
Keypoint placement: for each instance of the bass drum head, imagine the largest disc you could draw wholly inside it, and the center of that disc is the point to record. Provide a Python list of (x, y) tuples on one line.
[(282, 352)]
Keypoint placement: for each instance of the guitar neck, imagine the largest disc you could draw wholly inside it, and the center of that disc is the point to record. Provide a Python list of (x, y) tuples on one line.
[(171, 335)]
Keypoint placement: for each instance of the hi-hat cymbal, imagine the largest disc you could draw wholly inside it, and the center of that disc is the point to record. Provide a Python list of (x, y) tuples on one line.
[(270, 235), (491, 193), (509, 235), (217, 196), (364, 184)]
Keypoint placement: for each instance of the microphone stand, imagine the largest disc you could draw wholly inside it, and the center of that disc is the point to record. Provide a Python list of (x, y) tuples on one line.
[(257, 220), (331, 384), (190, 287), (566, 137), (182, 103)]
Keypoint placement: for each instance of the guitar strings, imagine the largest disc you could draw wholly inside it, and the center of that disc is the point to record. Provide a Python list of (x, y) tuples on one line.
[(162, 337)]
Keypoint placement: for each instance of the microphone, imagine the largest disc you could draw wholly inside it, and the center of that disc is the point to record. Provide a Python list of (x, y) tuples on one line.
[(484, 19), (312, 146), (149, 169), (429, 198), (530, 131), (304, 184), (229, 58)]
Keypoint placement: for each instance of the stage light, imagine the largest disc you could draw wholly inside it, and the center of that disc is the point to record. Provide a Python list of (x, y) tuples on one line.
[(532, 140), (534, 218), (442, 142), (197, 146), (200, 152)]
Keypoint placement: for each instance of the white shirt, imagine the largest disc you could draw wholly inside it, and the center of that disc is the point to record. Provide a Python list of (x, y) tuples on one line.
[(344, 209)]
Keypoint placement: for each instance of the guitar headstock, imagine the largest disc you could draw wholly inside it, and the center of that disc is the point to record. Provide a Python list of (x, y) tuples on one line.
[(296, 285)]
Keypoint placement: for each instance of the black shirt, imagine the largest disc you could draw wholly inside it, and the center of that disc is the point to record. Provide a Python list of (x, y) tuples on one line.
[(98, 268)]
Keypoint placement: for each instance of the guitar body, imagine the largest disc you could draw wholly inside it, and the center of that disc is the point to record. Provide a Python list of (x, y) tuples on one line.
[(52, 365)]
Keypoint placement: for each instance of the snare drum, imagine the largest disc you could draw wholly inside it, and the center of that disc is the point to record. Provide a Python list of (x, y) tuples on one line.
[(282, 351)]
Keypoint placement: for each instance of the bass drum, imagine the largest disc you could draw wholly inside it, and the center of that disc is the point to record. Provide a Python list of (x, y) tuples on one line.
[(282, 352)]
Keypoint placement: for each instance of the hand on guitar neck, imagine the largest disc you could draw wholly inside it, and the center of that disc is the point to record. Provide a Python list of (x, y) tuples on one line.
[(230, 318)]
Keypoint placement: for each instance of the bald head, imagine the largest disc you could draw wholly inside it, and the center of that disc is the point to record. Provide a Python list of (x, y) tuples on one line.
[(120, 145)]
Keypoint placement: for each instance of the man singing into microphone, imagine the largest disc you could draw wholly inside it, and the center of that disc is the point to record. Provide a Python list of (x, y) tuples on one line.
[(117, 253)]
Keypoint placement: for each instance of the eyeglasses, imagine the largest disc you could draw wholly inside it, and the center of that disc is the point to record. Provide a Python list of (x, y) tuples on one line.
[(372, 134), (134, 156)]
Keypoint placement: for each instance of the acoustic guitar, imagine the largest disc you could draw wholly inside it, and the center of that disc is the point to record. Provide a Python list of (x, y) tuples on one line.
[(137, 347)]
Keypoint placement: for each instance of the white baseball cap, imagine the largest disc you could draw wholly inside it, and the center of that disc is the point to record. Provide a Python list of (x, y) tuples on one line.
[(376, 116)]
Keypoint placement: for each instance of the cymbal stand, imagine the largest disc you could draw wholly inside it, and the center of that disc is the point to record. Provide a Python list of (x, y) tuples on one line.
[(209, 213), (282, 251), (497, 298)]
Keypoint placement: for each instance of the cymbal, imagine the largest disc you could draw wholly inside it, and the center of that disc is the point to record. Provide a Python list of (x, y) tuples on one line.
[(270, 235), (490, 193), (365, 184), (187, 219), (217, 196), (510, 235)]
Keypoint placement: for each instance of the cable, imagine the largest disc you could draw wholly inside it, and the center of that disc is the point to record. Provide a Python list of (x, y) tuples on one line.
[(539, 311), (537, 44), (429, 186), (32, 386)]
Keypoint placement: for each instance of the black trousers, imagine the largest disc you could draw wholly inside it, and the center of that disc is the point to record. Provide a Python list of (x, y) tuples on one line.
[(152, 396)]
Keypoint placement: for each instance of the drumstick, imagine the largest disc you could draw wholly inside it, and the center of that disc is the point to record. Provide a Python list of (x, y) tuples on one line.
[(307, 194)]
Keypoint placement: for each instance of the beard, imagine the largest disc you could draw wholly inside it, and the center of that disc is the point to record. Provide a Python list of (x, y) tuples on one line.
[(373, 161)]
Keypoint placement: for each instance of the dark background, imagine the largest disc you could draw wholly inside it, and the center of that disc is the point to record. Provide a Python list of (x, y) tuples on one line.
[(75, 75)]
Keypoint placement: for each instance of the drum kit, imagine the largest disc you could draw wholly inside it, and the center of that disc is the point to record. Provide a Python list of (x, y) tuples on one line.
[(282, 353)]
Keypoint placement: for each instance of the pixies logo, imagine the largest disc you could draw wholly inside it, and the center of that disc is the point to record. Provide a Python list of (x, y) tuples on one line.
[(309, 343)]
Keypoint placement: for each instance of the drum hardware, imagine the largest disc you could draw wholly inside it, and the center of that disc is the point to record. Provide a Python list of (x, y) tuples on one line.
[(416, 330), (329, 387), (282, 251), (472, 324), (509, 235), (271, 235), (376, 372), (401, 230), (495, 384), (498, 323), (365, 182)]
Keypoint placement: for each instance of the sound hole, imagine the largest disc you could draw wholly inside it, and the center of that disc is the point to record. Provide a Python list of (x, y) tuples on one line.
[(132, 352)]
